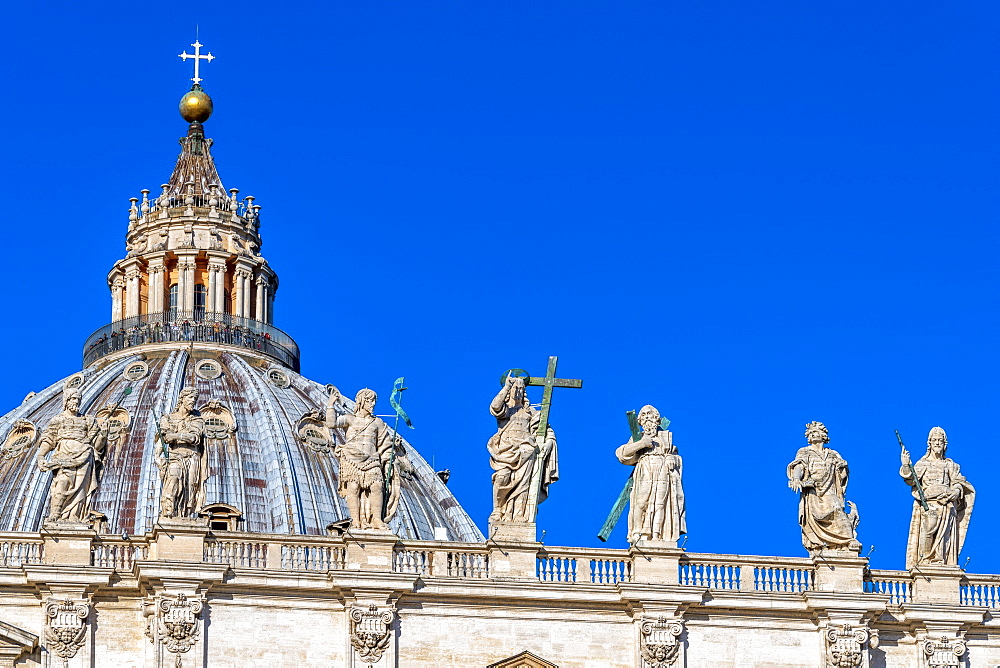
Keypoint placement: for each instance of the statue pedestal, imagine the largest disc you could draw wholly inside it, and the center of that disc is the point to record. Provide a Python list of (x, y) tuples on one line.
[(369, 549), (179, 539), (656, 562), (513, 532), (67, 543), (841, 571), (936, 584)]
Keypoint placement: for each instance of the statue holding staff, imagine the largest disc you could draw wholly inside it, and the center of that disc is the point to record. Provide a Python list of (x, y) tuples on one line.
[(942, 504), (77, 447), (365, 457)]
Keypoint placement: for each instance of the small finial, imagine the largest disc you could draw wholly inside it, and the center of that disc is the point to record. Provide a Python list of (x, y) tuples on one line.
[(197, 58)]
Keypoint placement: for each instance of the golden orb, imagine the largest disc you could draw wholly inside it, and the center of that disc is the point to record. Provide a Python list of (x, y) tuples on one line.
[(196, 106)]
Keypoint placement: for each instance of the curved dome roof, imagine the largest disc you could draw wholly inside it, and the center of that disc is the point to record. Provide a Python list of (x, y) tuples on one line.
[(276, 467)]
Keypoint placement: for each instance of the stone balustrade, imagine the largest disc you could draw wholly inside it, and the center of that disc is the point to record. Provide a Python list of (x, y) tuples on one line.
[(568, 566)]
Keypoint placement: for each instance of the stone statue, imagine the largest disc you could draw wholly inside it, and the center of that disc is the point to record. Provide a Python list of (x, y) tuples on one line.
[(937, 533), (819, 474), (365, 457), (656, 504), (77, 447), (514, 457), (181, 458)]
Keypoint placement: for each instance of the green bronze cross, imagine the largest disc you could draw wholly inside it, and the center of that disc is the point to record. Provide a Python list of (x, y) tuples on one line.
[(619, 507), (549, 382)]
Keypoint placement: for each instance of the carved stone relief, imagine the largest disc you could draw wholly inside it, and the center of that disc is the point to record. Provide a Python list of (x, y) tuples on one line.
[(371, 632), (65, 628), (220, 425), (311, 432), (846, 645), (116, 422), (21, 437), (944, 652), (175, 622), (659, 642)]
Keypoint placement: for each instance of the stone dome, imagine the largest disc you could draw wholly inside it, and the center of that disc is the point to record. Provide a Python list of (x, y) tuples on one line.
[(270, 458)]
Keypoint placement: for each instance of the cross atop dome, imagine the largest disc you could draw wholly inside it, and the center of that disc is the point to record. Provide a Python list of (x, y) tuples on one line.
[(198, 57)]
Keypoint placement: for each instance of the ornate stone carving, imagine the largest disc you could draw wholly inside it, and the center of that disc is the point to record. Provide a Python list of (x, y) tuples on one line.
[(945, 652), (175, 621), (365, 456), (846, 645), (937, 533), (65, 628), (220, 425), (656, 503), (115, 421), (371, 632), (659, 642), (513, 454), (311, 432), (77, 447), (180, 457), (20, 437), (819, 474)]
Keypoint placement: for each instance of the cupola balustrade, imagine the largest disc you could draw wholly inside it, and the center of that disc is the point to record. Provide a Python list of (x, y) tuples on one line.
[(184, 327)]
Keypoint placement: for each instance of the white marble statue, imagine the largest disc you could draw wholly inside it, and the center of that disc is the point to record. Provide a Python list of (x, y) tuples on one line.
[(937, 533), (77, 447), (514, 456), (819, 474), (180, 453), (656, 503), (365, 457)]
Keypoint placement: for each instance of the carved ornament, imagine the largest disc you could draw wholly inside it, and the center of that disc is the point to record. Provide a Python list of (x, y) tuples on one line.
[(65, 628), (371, 632), (945, 652), (846, 645), (659, 642)]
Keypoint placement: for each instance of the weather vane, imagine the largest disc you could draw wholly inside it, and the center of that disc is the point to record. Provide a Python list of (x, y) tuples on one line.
[(197, 58)]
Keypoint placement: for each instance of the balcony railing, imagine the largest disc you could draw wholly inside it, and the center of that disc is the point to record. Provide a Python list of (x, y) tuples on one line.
[(179, 326)]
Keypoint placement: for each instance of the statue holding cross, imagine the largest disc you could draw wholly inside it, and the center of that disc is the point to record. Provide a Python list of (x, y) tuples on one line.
[(523, 451)]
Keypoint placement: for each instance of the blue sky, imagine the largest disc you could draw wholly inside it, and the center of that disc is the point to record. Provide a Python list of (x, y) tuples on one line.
[(751, 215)]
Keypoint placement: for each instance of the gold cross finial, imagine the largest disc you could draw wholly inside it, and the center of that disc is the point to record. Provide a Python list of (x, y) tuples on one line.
[(197, 58)]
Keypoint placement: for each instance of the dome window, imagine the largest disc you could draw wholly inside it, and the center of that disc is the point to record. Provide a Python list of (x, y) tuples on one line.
[(208, 369), (116, 424), (222, 517), (279, 378), (21, 437), (74, 381), (136, 371)]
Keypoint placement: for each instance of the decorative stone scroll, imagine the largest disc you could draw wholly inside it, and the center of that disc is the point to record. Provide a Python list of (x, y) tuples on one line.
[(846, 645), (175, 622), (65, 628), (20, 437), (659, 642), (944, 652), (371, 631)]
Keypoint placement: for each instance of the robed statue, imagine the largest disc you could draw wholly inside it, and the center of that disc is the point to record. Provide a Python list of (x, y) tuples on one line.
[(519, 465), (819, 475), (937, 532), (180, 455), (77, 446), (370, 472), (656, 503)]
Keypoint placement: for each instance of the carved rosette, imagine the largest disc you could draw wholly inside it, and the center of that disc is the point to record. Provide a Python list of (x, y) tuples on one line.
[(945, 652), (846, 645), (175, 620), (659, 642), (371, 631), (65, 627)]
